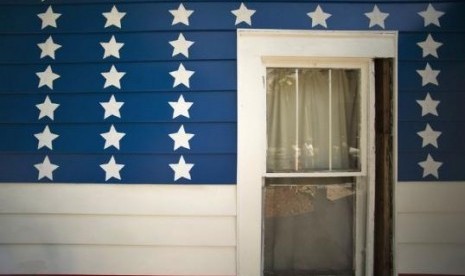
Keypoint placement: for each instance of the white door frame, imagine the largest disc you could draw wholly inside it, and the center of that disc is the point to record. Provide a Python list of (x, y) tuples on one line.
[(252, 46)]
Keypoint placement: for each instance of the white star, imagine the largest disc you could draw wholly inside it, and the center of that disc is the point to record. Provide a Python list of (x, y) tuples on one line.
[(181, 169), (181, 107), (112, 137), (431, 16), (49, 18), (45, 138), (112, 169), (181, 15), (45, 169), (430, 167), (48, 48), (429, 136), (181, 46), (47, 108), (181, 138), (376, 17), (429, 46), (428, 106), (47, 77), (181, 76), (243, 15), (428, 75), (113, 77), (319, 17), (111, 47), (112, 107), (113, 17)]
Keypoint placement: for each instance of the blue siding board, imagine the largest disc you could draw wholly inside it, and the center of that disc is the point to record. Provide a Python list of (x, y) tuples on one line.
[(212, 106), (147, 138), (155, 16), (139, 77), (139, 169), (449, 108), (450, 140)]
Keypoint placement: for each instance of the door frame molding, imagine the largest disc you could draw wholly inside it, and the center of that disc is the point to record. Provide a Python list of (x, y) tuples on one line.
[(252, 45)]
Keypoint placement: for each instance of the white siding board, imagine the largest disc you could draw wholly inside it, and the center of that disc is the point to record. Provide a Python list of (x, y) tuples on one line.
[(431, 258), (430, 223), (118, 230), (433, 197), (64, 259), (166, 200), (431, 228)]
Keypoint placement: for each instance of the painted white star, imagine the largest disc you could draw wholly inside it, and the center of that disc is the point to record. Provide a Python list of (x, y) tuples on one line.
[(47, 77), (45, 138), (430, 167), (319, 17), (181, 169), (376, 17), (181, 46), (111, 47), (112, 77), (48, 48), (429, 46), (431, 16), (429, 136), (243, 15), (111, 107), (112, 137), (49, 18), (112, 169), (181, 107), (428, 75), (45, 169), (181, 76), (181, 15), (181, 138), (428, 106), (113, 17), (47, 108)]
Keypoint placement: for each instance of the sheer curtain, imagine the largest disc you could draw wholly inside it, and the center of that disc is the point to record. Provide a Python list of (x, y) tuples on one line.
[(312, 119)]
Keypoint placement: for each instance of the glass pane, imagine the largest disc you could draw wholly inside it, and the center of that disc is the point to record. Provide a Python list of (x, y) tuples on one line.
[(309, 227), (345, 100), (313, 120), (281, 119)]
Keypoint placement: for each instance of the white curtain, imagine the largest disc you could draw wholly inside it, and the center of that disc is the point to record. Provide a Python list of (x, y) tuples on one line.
[(312, 119)]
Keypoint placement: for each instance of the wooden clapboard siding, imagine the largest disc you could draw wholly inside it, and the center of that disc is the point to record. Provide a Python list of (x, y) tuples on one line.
[(109, 229), (164, 200), (117, 260), (430, 227)]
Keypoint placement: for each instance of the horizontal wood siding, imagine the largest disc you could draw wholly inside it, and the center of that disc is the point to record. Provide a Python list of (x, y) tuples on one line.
[(429, 228), (117, 260), (110, 229)]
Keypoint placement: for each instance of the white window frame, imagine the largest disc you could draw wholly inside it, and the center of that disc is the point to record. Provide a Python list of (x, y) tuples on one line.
[(256, 50), (363, 65)]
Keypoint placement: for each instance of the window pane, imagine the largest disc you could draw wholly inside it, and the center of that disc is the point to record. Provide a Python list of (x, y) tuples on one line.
[(313, 120), (309, 227), (281, 119)]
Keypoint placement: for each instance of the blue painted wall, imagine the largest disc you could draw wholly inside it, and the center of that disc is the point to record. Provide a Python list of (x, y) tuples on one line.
[(146, 151)]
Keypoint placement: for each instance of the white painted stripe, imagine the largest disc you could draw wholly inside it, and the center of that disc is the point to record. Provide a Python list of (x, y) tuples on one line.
[(430, 197), (50, 259), (430, 228), (431, 258), (165, 200), (118, 230)]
